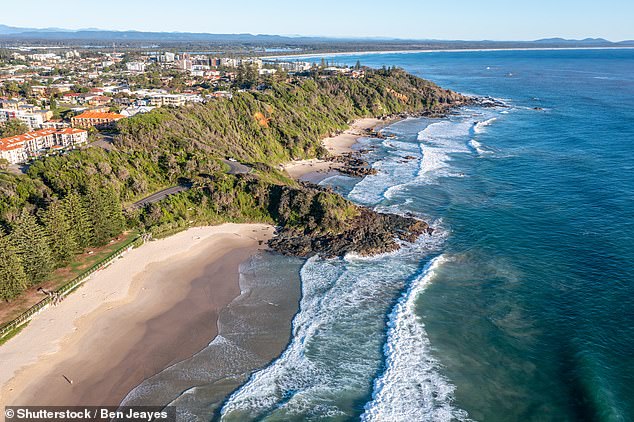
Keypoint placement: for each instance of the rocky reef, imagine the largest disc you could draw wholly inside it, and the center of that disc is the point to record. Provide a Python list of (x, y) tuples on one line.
[(352, 165), (315, 221)]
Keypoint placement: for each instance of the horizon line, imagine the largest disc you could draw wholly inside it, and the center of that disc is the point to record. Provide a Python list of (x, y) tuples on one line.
[(334, 37)]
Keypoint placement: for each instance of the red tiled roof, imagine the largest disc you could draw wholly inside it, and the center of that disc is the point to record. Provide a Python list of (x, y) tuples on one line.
[(98, 115), (17, 142), (70, 131)]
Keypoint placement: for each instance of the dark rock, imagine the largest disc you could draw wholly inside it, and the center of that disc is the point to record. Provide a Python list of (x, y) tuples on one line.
[(352, 165), (370, 233)]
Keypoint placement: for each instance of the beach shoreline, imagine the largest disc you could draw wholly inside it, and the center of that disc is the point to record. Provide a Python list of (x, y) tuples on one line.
[(155, 306), (316, 170)]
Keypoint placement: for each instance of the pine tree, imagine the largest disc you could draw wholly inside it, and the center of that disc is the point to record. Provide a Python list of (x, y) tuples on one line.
[(12, 278), (114, 210), (105, 213), (61, 238), (81, 226), (31, 244)]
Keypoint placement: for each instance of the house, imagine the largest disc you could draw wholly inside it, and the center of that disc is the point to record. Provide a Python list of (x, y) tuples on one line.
[(39, 90), (131, 111), (71, 97), (95, 119), (98, 100), (13, 104)]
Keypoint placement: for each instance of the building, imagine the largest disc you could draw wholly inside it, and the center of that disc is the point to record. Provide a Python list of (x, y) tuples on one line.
[(39, 90), (132, 111), (34, 120), (267, 71), (44, 57), (167, 57), (55, 124), (12, 151), (229, 62), (160, 98), (98, 100), (135, 66), (71, 137), (18, 149), (13, 104), (95, 119), (58, 89), (173, 100)]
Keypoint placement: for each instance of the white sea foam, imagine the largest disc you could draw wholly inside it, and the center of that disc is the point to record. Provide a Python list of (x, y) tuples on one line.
[(437, 142), (392, 170), (333, 352), (479, 148), (411, 387), (481, 126)]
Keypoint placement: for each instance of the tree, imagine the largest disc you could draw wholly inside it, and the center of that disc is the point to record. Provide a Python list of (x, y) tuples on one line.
[(31, 244), (358, 65), (81, 226), (12, 277), (60, 235), (106, 213), (13, 127), (247, 76)]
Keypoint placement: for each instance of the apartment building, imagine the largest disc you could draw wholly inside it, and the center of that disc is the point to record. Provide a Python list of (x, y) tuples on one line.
[(95, 119), (18, 149)]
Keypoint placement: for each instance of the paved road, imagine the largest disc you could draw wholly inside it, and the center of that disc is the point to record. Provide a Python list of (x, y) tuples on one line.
[(237, 168), (234, 168), (159, 196)]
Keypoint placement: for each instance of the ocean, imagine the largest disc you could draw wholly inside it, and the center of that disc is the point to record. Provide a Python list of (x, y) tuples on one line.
[(520, 306)]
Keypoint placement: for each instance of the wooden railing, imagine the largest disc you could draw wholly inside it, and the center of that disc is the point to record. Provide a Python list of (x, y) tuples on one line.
[(67, 288)]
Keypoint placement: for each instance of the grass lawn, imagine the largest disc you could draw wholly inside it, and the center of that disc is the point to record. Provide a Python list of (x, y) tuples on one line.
[(61, 276)]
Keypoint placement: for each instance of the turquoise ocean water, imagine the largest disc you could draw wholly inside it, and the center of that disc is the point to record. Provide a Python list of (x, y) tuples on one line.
[(521, 306)]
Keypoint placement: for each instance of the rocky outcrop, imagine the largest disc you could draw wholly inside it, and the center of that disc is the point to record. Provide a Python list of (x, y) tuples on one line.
[(369, 233), (352, 165)]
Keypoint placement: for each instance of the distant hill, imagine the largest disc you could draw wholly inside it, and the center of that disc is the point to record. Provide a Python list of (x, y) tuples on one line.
[(11, 30), (10, 34)]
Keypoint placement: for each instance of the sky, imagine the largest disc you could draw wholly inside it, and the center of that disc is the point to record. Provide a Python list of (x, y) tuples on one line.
[(411, 19)]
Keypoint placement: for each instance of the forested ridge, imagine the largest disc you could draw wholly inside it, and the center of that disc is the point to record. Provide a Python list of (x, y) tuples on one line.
[(65, 204)]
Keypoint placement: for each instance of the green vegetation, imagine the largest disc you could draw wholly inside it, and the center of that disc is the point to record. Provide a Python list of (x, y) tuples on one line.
[(13, 333), (65, 204), (13, 127)]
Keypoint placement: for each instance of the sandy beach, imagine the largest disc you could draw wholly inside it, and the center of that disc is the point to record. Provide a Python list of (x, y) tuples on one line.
[(110, 335), (315, 169)]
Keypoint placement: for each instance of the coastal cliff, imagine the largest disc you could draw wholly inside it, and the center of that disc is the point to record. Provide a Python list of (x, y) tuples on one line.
[(68, 203)]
